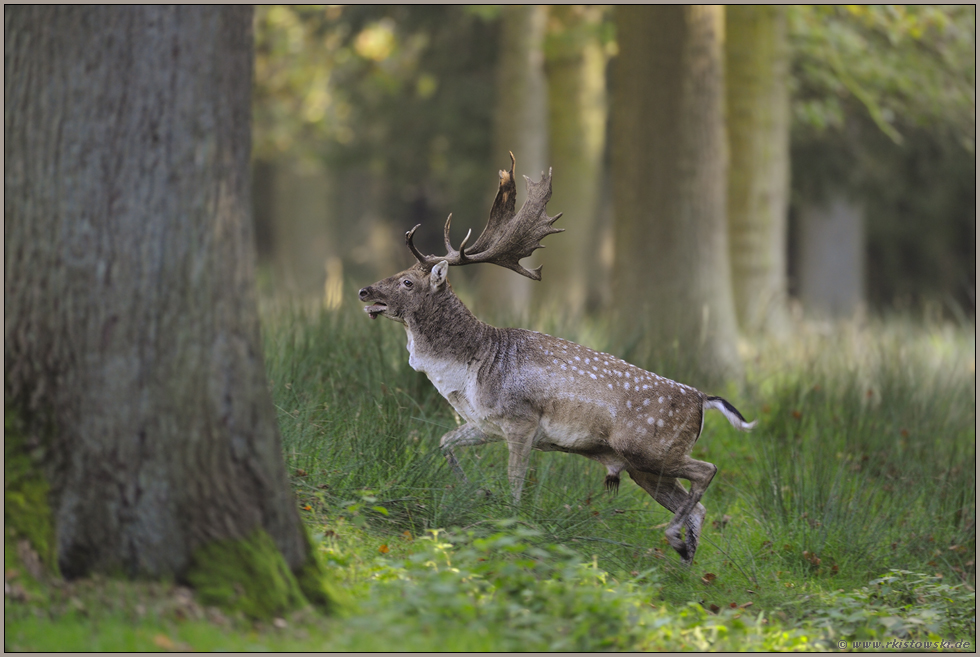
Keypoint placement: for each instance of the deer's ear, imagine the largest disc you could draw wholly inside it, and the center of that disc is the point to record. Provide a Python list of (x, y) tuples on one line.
[(438, 276)]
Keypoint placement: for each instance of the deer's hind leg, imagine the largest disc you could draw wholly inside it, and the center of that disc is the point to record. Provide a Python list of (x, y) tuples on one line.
[(670, 494), (700, 474)]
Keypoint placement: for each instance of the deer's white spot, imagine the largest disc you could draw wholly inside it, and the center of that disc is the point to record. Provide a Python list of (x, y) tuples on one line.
[(564, 367), (646, 387), (646, 402), (629, 404), (670, 413), (649, 420), (660, 401), (636, 388), (660, 423), (592, 375), (610, 386), (577, 358)]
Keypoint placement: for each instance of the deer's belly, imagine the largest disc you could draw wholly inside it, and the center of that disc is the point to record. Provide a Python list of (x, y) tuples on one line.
[(574, 437)]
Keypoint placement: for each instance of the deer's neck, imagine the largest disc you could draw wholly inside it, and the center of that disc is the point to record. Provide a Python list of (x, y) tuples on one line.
[(445, 332)]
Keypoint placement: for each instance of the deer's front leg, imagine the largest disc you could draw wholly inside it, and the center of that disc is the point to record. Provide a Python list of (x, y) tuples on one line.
[(463, 436), (520, 440)]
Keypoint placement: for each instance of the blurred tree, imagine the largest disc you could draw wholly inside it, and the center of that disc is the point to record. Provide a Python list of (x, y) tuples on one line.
[(520, 126), (396, 103), (757, 94), (131, 337), (884, 120), (671, 277), (575, 63)]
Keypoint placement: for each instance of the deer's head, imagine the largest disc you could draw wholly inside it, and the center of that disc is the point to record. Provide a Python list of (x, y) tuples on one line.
[(407, 292), (508, 237)]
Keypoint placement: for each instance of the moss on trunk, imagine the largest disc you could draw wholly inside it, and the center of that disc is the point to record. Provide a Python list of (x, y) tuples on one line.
[(26, 510), (251, 576)]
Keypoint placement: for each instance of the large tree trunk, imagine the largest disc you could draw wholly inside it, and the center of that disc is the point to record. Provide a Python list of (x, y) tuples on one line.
[(131, 333), (576, 66), (756, 76), (520, 126), (671, 276)]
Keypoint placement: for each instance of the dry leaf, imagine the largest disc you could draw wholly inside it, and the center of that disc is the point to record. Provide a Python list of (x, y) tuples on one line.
[(163, 641)]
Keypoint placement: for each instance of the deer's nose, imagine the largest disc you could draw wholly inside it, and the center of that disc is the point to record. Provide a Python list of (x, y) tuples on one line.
[(363, 294)]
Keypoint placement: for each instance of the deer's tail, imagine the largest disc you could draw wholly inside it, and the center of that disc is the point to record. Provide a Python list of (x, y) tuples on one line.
[(729, 412)]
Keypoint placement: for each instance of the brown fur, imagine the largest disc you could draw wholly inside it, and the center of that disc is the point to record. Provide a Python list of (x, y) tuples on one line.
[(535, 391)]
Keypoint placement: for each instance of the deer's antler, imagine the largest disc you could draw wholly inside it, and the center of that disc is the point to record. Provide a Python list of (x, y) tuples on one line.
[(508, 236)]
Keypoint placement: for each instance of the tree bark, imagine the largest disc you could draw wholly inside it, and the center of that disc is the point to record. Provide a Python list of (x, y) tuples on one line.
[(671, 276), (520, 126), (131, 336), (756, 75), (576, 66)]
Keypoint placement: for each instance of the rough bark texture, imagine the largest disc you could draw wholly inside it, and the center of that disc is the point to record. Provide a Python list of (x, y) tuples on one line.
[(520, 126), (671, 276), (576, 67), (756, 76), (131, 329)]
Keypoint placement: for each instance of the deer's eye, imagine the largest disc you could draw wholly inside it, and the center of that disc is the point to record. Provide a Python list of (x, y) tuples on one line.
[(407, 283)]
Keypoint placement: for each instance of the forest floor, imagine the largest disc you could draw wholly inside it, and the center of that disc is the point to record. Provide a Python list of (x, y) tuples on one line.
[(845, 520)]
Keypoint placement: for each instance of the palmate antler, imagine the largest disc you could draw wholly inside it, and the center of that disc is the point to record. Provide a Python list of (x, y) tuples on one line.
[(508, 236)]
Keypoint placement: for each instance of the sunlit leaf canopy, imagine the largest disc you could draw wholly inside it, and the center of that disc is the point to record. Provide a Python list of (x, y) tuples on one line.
[(904, 65), (883, 106), (319, 67)]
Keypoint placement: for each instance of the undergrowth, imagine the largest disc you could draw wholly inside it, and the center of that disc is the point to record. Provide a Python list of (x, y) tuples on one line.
[(847, 515)]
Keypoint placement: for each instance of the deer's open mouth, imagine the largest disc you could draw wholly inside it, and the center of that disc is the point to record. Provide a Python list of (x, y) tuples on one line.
[(376, 309)]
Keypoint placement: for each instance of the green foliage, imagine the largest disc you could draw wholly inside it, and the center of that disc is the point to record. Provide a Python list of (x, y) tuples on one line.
[(387, 91), (26, 510), (800, 525), (539, 597), (884, 110), (900, 605), (247, 575), (905, 65)]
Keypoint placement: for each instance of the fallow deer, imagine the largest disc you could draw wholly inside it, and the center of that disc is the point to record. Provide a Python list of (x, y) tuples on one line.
[(535, 391)]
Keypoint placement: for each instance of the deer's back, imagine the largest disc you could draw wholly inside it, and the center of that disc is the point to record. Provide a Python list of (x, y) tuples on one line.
[(584, 400)]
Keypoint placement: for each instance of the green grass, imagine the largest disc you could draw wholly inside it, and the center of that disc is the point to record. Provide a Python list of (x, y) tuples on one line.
[(847, 515)]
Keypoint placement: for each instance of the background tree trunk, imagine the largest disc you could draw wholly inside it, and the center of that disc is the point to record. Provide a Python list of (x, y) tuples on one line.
[(671, 276), (576, 66), (831, 253), (756, 81), (520, 126), (131, 328)]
